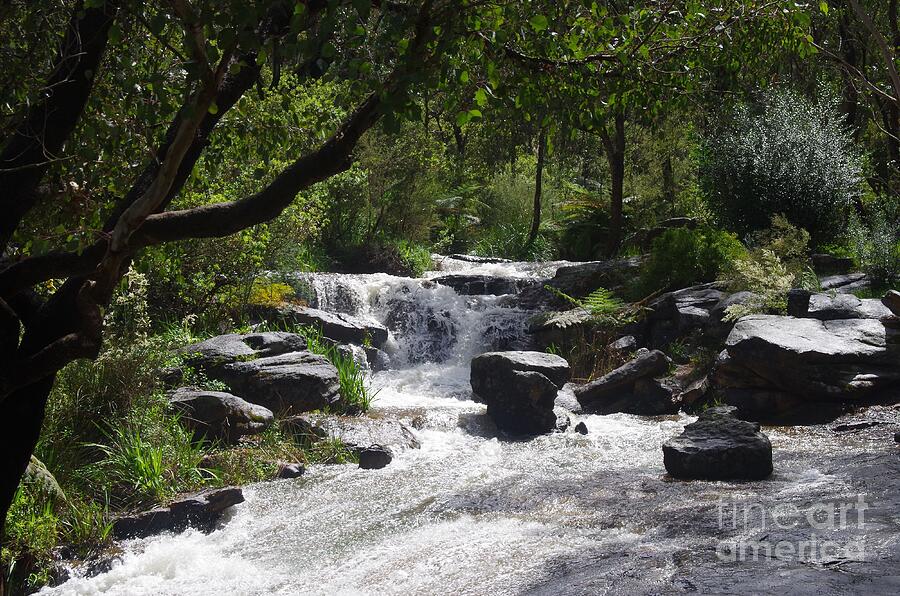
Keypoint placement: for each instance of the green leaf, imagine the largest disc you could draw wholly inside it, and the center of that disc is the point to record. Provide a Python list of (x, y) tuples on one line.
[(823, 6), (538, 22), (462, 118), (213, 108), (464, 77), (481, 97)]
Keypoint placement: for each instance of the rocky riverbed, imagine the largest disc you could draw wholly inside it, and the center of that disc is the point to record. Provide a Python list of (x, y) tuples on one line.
[(466, 507)]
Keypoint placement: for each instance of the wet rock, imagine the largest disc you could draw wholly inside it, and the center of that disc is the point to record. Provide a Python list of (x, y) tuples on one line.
[(201, 511), (858, 425), (892, 301), (430, 333), (631, 388), (581, 428), (719, 446), (340, 327), (477, 259), (218, 415), (288, 470), (471, 285), (566, 400), (357, 433), (489, 369), (292, 382), (520, 389), (377, 359), (375, 457), (846, 283), (775, 368), (504, 330), (897, 437)]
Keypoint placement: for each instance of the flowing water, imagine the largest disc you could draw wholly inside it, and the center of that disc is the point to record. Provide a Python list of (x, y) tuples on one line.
[(472, 512)]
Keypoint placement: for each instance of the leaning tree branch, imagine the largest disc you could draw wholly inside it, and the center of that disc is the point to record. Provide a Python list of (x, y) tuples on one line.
[(887, 55), (37, 142)]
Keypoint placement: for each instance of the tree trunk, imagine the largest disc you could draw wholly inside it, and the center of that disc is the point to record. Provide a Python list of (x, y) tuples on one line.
[(538, 187), (615, 157), (668, 182)]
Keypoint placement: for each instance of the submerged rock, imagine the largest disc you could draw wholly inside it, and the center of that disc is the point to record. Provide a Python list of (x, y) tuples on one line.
[(218, 415), (357, 433), (520, 389), (719, 447), (288, 470), (632, 388), (201, 511), (581, 428)]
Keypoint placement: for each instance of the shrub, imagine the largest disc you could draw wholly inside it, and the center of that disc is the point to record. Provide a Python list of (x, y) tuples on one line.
[(876, 247), (763, 274), (681, 257), (792, 156)]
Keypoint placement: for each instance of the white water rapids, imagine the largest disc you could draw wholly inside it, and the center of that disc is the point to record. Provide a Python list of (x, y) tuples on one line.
[(472, 512)]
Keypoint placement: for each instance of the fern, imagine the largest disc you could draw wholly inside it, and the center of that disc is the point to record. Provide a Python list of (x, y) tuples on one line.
[(601, 305)]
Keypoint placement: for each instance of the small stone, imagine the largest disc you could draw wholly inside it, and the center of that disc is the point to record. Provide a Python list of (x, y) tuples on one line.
[(287, 470), (375, 458), (897, 437), (581, 428)]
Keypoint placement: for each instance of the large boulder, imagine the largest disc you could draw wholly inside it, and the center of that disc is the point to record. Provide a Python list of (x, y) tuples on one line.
[(202, 511), (676, 314), (268, 369), (340, 327), (218, 415), (292, 382), (633, 388), (719, 446), (470, 285), (777, 368), (520, 389)]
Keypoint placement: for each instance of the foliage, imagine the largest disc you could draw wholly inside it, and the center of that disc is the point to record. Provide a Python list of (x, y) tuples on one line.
[(766, 276), (791, 156), (681, 257), (266, 292), (876, 246), (356, 397), (604, 308)]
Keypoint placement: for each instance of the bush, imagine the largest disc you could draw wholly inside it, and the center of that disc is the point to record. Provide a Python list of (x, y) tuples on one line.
[(792, 156), (681, 257), (876, 246)]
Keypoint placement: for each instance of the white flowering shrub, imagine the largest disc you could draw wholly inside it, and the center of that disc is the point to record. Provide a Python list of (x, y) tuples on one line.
[(791, 156)]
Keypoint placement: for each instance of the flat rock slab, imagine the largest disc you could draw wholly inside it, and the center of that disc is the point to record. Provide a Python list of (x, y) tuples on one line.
[(201, 511), (340, 327), (220, 350), (840, 359), (719, 447), (219, 415), (357, 433), (492, 364), (826, 307), (891, 301)]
